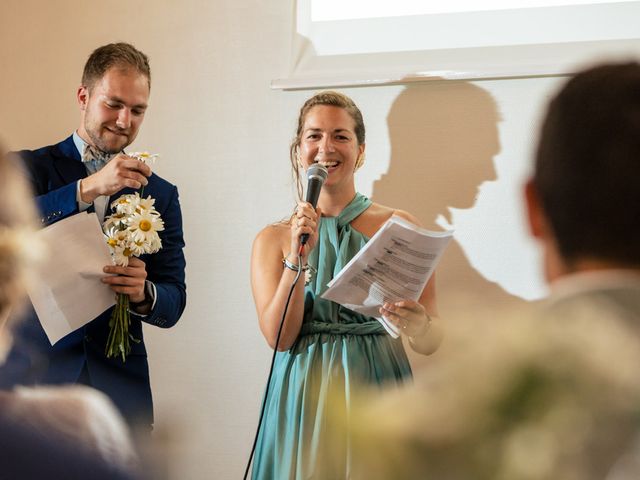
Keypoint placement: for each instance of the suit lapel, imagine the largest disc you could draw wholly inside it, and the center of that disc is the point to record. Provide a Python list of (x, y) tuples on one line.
[(67, 161)]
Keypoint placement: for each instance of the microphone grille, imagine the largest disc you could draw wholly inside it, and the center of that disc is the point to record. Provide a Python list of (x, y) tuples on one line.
[(318, 171)]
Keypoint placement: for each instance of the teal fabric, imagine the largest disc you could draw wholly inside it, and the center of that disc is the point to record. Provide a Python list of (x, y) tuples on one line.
[(337, 350)]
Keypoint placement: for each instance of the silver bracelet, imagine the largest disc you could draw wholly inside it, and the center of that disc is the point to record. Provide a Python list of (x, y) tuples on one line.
[(308, 270), (293, 266)]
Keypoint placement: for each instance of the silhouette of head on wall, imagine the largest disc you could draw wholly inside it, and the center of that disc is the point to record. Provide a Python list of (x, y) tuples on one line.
[(443, 139)]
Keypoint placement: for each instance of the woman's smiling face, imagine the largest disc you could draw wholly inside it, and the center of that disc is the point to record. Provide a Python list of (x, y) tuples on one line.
[(328, 137)]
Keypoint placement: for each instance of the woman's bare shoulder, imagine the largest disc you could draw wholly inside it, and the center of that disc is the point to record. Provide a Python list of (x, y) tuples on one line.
[(407, 216), (382, 213), (370, 221), (274, 232)]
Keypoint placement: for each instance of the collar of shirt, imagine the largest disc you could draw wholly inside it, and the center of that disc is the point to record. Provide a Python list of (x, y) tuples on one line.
[(582, 282), (78, 142), (100, 204)]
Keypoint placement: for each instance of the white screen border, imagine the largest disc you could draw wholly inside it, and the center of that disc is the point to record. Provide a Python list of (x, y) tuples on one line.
[(458, 46)]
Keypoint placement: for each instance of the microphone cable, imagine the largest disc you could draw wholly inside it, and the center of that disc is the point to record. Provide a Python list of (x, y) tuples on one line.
[(273, 359)]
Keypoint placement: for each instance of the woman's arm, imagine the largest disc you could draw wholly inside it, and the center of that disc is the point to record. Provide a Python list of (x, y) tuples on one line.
[(271, 281)]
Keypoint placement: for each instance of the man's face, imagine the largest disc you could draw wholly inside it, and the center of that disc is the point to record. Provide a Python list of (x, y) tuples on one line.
[(113, 109)]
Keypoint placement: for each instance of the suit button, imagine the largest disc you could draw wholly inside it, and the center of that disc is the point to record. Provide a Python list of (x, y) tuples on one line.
[(87, 338)]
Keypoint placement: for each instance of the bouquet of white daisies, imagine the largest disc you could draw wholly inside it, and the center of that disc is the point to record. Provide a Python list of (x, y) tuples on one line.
[(131, 230)]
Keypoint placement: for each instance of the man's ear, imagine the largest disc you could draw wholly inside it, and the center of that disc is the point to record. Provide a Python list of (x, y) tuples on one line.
[(535, 214), (82, 95)]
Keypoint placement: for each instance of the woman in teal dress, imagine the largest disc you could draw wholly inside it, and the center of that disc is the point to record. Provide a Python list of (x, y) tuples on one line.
[(325, 351)]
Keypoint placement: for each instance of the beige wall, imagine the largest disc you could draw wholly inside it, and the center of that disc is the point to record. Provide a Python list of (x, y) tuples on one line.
[(452, 153)]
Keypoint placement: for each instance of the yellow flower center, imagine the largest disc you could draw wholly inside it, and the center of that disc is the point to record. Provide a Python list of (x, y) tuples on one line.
[(127, 252), (145, 225), (112, 242)]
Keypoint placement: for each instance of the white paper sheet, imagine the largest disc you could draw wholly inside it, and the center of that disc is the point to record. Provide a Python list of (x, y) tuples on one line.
[(67, 292), (394, 265)]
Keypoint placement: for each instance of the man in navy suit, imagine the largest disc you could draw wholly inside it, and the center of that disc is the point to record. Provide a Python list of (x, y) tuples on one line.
[(82, 173)]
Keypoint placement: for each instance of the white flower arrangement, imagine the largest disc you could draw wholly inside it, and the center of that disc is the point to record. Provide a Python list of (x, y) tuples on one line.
[(131, 230)]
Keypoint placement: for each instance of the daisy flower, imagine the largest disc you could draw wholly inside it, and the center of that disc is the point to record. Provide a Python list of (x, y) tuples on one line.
[(145, 226), (144, 157)]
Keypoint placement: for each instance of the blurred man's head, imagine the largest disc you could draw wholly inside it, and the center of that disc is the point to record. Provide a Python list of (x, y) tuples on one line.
[(584, 197)]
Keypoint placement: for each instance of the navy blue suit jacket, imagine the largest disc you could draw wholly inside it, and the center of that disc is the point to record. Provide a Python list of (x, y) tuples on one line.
[(54, 172)]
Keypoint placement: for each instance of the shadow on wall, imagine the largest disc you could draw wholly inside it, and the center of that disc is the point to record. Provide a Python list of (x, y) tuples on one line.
[(443, 139)]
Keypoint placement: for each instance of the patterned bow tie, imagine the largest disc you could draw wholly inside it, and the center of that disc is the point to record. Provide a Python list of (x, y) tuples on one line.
[(95, 159)]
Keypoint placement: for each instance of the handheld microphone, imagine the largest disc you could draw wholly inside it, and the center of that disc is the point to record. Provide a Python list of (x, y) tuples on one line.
[(316, 175)]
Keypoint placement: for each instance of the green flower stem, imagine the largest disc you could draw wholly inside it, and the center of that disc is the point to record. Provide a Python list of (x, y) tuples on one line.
[(118, 342), (119, 339)]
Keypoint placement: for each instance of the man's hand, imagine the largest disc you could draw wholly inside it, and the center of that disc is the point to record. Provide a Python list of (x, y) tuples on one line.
[(129, 280), (122, 171)]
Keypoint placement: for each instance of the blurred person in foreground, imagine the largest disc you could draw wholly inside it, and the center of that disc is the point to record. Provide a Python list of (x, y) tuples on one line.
[(48, 432), (552, 392), (86, 172)]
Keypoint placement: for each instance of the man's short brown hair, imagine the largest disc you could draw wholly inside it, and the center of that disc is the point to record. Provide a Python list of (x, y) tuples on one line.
[(121, 55), (587, 170)]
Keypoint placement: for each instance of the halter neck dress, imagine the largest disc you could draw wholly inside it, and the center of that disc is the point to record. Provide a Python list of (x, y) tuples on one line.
[(337, 350)]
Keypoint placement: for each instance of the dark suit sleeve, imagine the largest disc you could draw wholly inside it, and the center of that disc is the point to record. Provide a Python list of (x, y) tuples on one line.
[(54, 202), (166, 268), (57, 204)]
